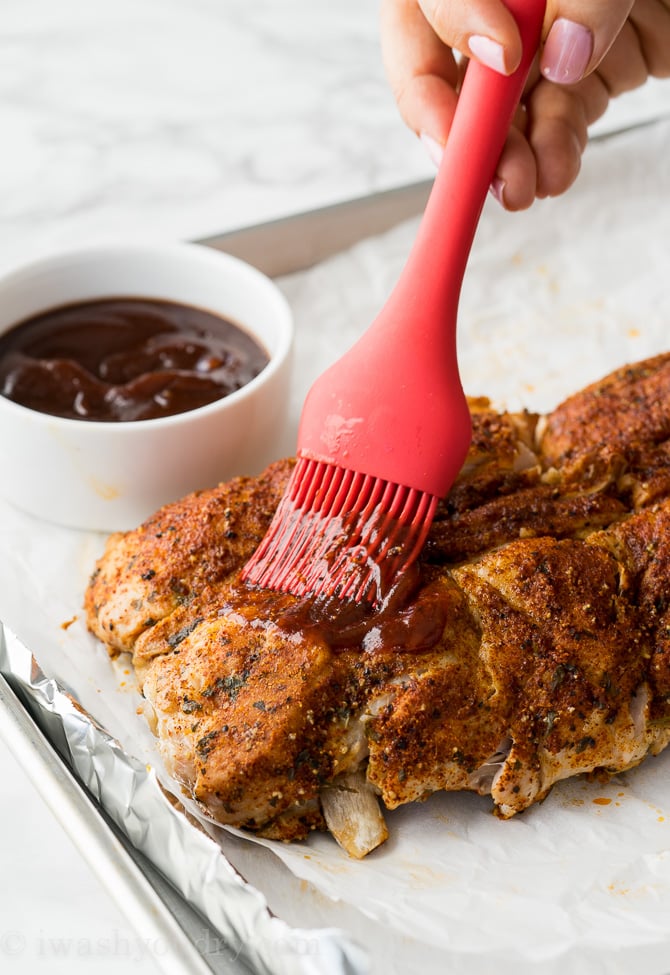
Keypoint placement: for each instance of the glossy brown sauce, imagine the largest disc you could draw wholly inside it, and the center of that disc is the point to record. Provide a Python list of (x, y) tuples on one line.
[(121, 359), (401, 623)]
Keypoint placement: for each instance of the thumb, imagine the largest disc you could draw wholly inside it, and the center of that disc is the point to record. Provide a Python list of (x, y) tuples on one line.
[(580, 33)]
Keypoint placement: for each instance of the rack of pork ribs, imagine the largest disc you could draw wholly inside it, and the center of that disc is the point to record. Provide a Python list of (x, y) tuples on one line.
[(530, 643)]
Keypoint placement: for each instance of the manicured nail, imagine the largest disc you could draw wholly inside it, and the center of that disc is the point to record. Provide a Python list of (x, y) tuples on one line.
[(567, 52), (488, 52), (497, 190), (433, 148)]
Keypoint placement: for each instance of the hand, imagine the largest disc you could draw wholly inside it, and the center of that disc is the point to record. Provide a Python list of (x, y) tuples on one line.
[(592, 50)]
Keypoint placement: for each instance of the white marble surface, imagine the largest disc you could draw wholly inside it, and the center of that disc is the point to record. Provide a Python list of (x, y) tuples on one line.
[(183, 118), (168, 119)]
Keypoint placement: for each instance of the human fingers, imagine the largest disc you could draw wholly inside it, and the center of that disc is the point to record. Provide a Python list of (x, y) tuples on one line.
[(559, 115), (579, 35), (606, 52), (421, 70), (516, 174), (544, 158), (481, 29), (651, 20), (624, 66), (558, 130), (418, 41)]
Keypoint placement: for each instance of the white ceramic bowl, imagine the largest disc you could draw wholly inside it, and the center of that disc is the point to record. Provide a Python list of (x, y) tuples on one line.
[(110, 476)]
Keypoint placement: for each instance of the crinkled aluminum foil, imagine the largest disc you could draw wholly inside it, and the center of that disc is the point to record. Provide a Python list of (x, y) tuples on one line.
[(195, 865)]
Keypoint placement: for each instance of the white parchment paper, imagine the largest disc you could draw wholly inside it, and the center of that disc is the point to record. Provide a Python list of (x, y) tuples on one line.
[(554, 298)]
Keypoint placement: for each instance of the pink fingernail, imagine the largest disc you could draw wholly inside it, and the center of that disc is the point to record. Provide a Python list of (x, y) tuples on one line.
[(567, 52), (497, 190), (433, 148), (487, 51)]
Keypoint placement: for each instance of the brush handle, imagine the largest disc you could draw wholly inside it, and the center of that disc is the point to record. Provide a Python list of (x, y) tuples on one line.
[(485, 111), (393, 407)]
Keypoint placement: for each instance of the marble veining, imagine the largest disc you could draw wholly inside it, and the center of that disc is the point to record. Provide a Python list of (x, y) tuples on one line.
[(175, 119)]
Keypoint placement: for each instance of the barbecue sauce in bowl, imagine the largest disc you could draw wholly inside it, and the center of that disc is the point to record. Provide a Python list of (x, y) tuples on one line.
[(125, 359)]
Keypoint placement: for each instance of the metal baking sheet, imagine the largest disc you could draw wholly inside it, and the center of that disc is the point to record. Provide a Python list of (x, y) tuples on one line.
[(298, 242)]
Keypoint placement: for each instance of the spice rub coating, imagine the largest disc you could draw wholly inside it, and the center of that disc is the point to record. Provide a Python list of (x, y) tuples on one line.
[(531, 643)]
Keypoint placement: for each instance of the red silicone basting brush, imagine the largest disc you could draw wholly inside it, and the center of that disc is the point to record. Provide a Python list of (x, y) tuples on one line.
[(385, 430)]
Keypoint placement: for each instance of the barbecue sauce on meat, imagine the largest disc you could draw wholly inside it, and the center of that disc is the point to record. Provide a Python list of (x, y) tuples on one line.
[(123, 359), (401, 623)]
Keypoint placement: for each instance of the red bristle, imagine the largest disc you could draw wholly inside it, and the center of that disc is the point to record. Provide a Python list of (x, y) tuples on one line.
[(331, 528), (306, 487), (340, 533), (395, 526), (423, 512), (353, 571), (290, 572), (359, 526), (291, 531)]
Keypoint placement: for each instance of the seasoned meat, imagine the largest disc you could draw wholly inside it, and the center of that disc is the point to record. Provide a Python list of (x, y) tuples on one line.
[(529, 644), (178, 555), (626, 411)]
